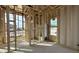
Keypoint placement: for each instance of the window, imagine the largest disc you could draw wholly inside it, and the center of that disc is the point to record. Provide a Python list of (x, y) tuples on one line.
[(53, 26), (53, 22), (20, 23)]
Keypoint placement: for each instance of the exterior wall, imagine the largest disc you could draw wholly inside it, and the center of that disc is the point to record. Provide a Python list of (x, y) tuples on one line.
[(2, 31), (69, 26)]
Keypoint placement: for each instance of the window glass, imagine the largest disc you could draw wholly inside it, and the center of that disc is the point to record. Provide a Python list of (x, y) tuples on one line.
[(11, 16), (53, 22), (53, 26)]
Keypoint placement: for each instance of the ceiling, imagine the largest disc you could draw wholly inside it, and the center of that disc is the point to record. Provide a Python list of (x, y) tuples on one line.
[(28, 8)]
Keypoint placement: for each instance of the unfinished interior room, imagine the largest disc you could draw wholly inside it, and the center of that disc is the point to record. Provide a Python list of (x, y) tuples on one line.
[(39, 28)]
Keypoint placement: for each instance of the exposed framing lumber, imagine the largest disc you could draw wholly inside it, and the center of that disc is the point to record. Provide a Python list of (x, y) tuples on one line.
[(10, 10), (8, 34), (22, 18), (15, 29)]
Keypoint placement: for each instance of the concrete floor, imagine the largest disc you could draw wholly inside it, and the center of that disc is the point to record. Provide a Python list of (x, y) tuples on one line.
[(43, 47)]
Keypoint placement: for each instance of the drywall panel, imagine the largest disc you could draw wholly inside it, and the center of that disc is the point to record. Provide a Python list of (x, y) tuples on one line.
[(69, 26)]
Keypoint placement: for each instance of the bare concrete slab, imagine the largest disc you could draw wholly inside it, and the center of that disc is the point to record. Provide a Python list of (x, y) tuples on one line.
[(42, 47)]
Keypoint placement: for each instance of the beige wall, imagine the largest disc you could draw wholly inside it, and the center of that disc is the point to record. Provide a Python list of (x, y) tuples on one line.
[(69, 26)]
